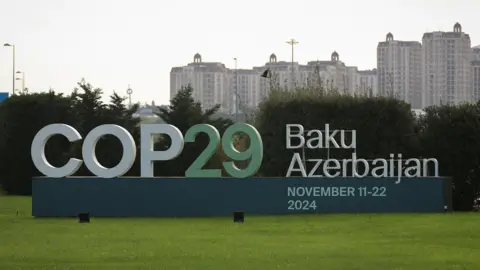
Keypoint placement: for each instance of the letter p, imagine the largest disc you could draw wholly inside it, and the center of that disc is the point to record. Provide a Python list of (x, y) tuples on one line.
[(148, 155)]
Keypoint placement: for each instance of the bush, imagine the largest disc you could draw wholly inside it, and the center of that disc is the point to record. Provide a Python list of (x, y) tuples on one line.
[(383, 125)]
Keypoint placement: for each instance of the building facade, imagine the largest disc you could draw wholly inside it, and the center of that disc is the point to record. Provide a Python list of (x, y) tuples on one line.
[(476, 72), (367, 82), (210, 81), (447, 67), (443, 69), (476, 79), (240, 90), (399, 70)]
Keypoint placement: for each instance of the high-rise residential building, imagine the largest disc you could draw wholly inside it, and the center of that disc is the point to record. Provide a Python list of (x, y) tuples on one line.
[(362, 82), (282, 73), (399, 70), (476, 72), (352, 80), (333, 73), (447, 67), (247, 90), (367, 82), (213, 83)]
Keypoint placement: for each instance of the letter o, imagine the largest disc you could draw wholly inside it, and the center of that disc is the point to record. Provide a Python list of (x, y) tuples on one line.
[(90, 159), (37, 151)]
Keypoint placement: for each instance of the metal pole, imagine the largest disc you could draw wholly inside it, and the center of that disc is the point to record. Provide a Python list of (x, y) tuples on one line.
[(292, 42), (129, 93), (293, 75)]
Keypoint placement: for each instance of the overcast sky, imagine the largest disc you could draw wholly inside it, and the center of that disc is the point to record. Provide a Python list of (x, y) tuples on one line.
[(116, 43)]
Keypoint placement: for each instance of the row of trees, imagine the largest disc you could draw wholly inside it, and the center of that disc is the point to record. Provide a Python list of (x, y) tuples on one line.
[(384, 125), (451, 134), (22, 116)]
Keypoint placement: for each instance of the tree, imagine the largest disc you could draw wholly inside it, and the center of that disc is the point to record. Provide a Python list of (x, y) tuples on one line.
[(117, 113), (21, 117), (184, 112), (109, 149), (382, 125), (451, 134), (91, 112)]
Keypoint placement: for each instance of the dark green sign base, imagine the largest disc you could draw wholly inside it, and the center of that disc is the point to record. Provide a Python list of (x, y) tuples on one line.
[(187, 197)]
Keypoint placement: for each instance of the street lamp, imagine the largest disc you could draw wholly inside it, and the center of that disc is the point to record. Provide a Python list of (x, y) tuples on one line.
[(13, 71), (292, 42), (129, 93), (22, 79)]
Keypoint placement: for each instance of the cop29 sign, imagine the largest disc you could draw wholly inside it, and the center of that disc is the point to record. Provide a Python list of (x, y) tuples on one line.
[(254, 153), (395, 166), (328, 185)]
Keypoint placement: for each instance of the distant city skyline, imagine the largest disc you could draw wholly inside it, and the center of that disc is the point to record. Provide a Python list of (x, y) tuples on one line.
[(113, 44), (239, 90), (441, 69)]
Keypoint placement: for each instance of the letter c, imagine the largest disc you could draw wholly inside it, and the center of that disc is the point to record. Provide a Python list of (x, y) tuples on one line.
[(37, 150)]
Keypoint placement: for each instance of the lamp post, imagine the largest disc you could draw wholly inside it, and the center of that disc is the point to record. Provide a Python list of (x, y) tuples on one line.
[(129, 93), (292, 42), (13, 62), (22, 79)]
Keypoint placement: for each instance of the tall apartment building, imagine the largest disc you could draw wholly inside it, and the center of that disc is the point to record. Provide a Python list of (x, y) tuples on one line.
[(213, 83), (399, 70), (247, 89), (210, 81), (447, 67), (283, 73), (333, 73), (476, 72), (367, 82), (362, 81), (352, 80)]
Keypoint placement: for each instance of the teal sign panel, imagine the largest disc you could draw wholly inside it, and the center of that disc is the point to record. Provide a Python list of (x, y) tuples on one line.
[(182, 197)]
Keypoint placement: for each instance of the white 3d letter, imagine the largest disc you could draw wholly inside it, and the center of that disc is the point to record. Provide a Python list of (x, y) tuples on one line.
[(129, 151), (37, 151), (148, 155)]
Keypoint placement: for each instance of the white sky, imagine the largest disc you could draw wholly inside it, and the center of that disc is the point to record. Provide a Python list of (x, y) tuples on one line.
[(115, 43)]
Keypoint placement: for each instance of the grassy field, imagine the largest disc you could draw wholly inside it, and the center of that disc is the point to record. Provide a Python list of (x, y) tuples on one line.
[(437, 241)]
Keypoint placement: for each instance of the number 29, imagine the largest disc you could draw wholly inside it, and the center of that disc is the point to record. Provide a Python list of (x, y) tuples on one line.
[(254, 152)]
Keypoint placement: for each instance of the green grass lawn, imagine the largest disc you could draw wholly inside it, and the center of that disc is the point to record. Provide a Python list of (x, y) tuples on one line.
[(416, 241)]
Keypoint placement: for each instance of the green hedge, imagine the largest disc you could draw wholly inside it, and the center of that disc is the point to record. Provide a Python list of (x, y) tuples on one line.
[(383, 126)]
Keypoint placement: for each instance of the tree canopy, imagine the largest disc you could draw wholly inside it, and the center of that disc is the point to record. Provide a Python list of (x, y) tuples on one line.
[(384, 125)]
